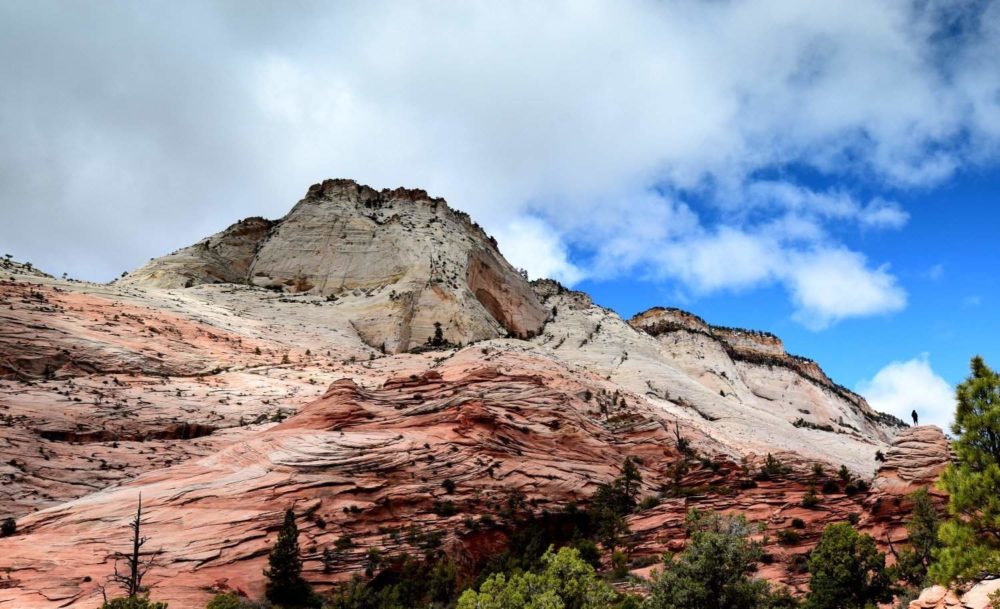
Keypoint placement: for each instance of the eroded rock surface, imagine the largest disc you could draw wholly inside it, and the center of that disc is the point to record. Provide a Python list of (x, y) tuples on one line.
[(939, 597), (268, 367), (415, 261)]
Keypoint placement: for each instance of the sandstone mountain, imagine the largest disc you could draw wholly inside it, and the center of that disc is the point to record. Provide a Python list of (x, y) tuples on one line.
[(286, 364), (396, 262)]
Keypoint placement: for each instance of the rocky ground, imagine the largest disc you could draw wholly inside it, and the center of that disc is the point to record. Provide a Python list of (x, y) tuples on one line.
[(228, 401)]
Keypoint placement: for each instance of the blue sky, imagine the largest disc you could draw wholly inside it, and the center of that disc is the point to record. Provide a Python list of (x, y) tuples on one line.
[(826, 171), (947, 259)]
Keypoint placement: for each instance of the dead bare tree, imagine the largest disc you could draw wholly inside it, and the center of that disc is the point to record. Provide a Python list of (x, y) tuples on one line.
[(138, 562)]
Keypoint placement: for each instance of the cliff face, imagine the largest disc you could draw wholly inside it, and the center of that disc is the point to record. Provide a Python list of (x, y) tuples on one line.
[(413, 260), (263, 385), (740, 385)]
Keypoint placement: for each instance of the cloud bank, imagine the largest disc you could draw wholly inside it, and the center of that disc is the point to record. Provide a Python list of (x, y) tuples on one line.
[(715, 146)]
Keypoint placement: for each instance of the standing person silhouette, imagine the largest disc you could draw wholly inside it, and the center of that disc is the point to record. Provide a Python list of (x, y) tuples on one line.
[(914, 415)]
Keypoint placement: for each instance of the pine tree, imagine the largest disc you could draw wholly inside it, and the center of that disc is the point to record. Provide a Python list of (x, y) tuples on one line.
[(971, 538), (631, 479), (716, 569), (284, 574), (847, 571)]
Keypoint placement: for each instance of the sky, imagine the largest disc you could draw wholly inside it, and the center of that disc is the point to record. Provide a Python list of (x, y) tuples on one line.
[(825, 171)]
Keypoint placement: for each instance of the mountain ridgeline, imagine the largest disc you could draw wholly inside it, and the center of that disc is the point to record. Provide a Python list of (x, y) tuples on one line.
[(372, 364)]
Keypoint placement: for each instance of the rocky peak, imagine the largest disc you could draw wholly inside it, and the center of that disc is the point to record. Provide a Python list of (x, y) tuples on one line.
[(396, 262), (752, 346)]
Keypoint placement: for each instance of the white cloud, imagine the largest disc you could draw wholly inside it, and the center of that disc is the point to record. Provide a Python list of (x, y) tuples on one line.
[(530, 244), (902, 387), (830, 284), (880, 213), (635, 132)]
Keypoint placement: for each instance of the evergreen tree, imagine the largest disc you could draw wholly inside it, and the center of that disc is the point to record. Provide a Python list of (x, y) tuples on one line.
[(848, 571), (631, 480), (922, 528), (714, 570), (565, 581), (284, 574), (612, 502), (971, 538)]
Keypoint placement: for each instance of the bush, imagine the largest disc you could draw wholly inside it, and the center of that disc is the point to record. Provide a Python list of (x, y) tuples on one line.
[(231, 600), (403, 582), (810, 499), (772, 468), (565, 580), (855, 486), (619, 564), (798, 523), (449, 486), (444, 509), (8, 527), (227, 600), (133, 602), (830, 487), (649, 502), (789, 537)]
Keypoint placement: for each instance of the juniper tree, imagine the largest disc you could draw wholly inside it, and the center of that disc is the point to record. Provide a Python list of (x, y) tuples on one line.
[(847, 571)]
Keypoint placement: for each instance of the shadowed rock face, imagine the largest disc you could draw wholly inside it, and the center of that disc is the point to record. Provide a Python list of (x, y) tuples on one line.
[(414, 259)]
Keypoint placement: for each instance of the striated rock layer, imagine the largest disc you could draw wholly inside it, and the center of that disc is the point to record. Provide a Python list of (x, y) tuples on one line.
[(272, 366)]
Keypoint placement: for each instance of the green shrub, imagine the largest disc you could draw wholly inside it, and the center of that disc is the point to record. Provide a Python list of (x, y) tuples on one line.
[(772, 469), (649, 502), (830, 487), (789, 537), (231, 600), (133, 602), (619, 564), (855, 486), (714, 570), (565, 581)]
